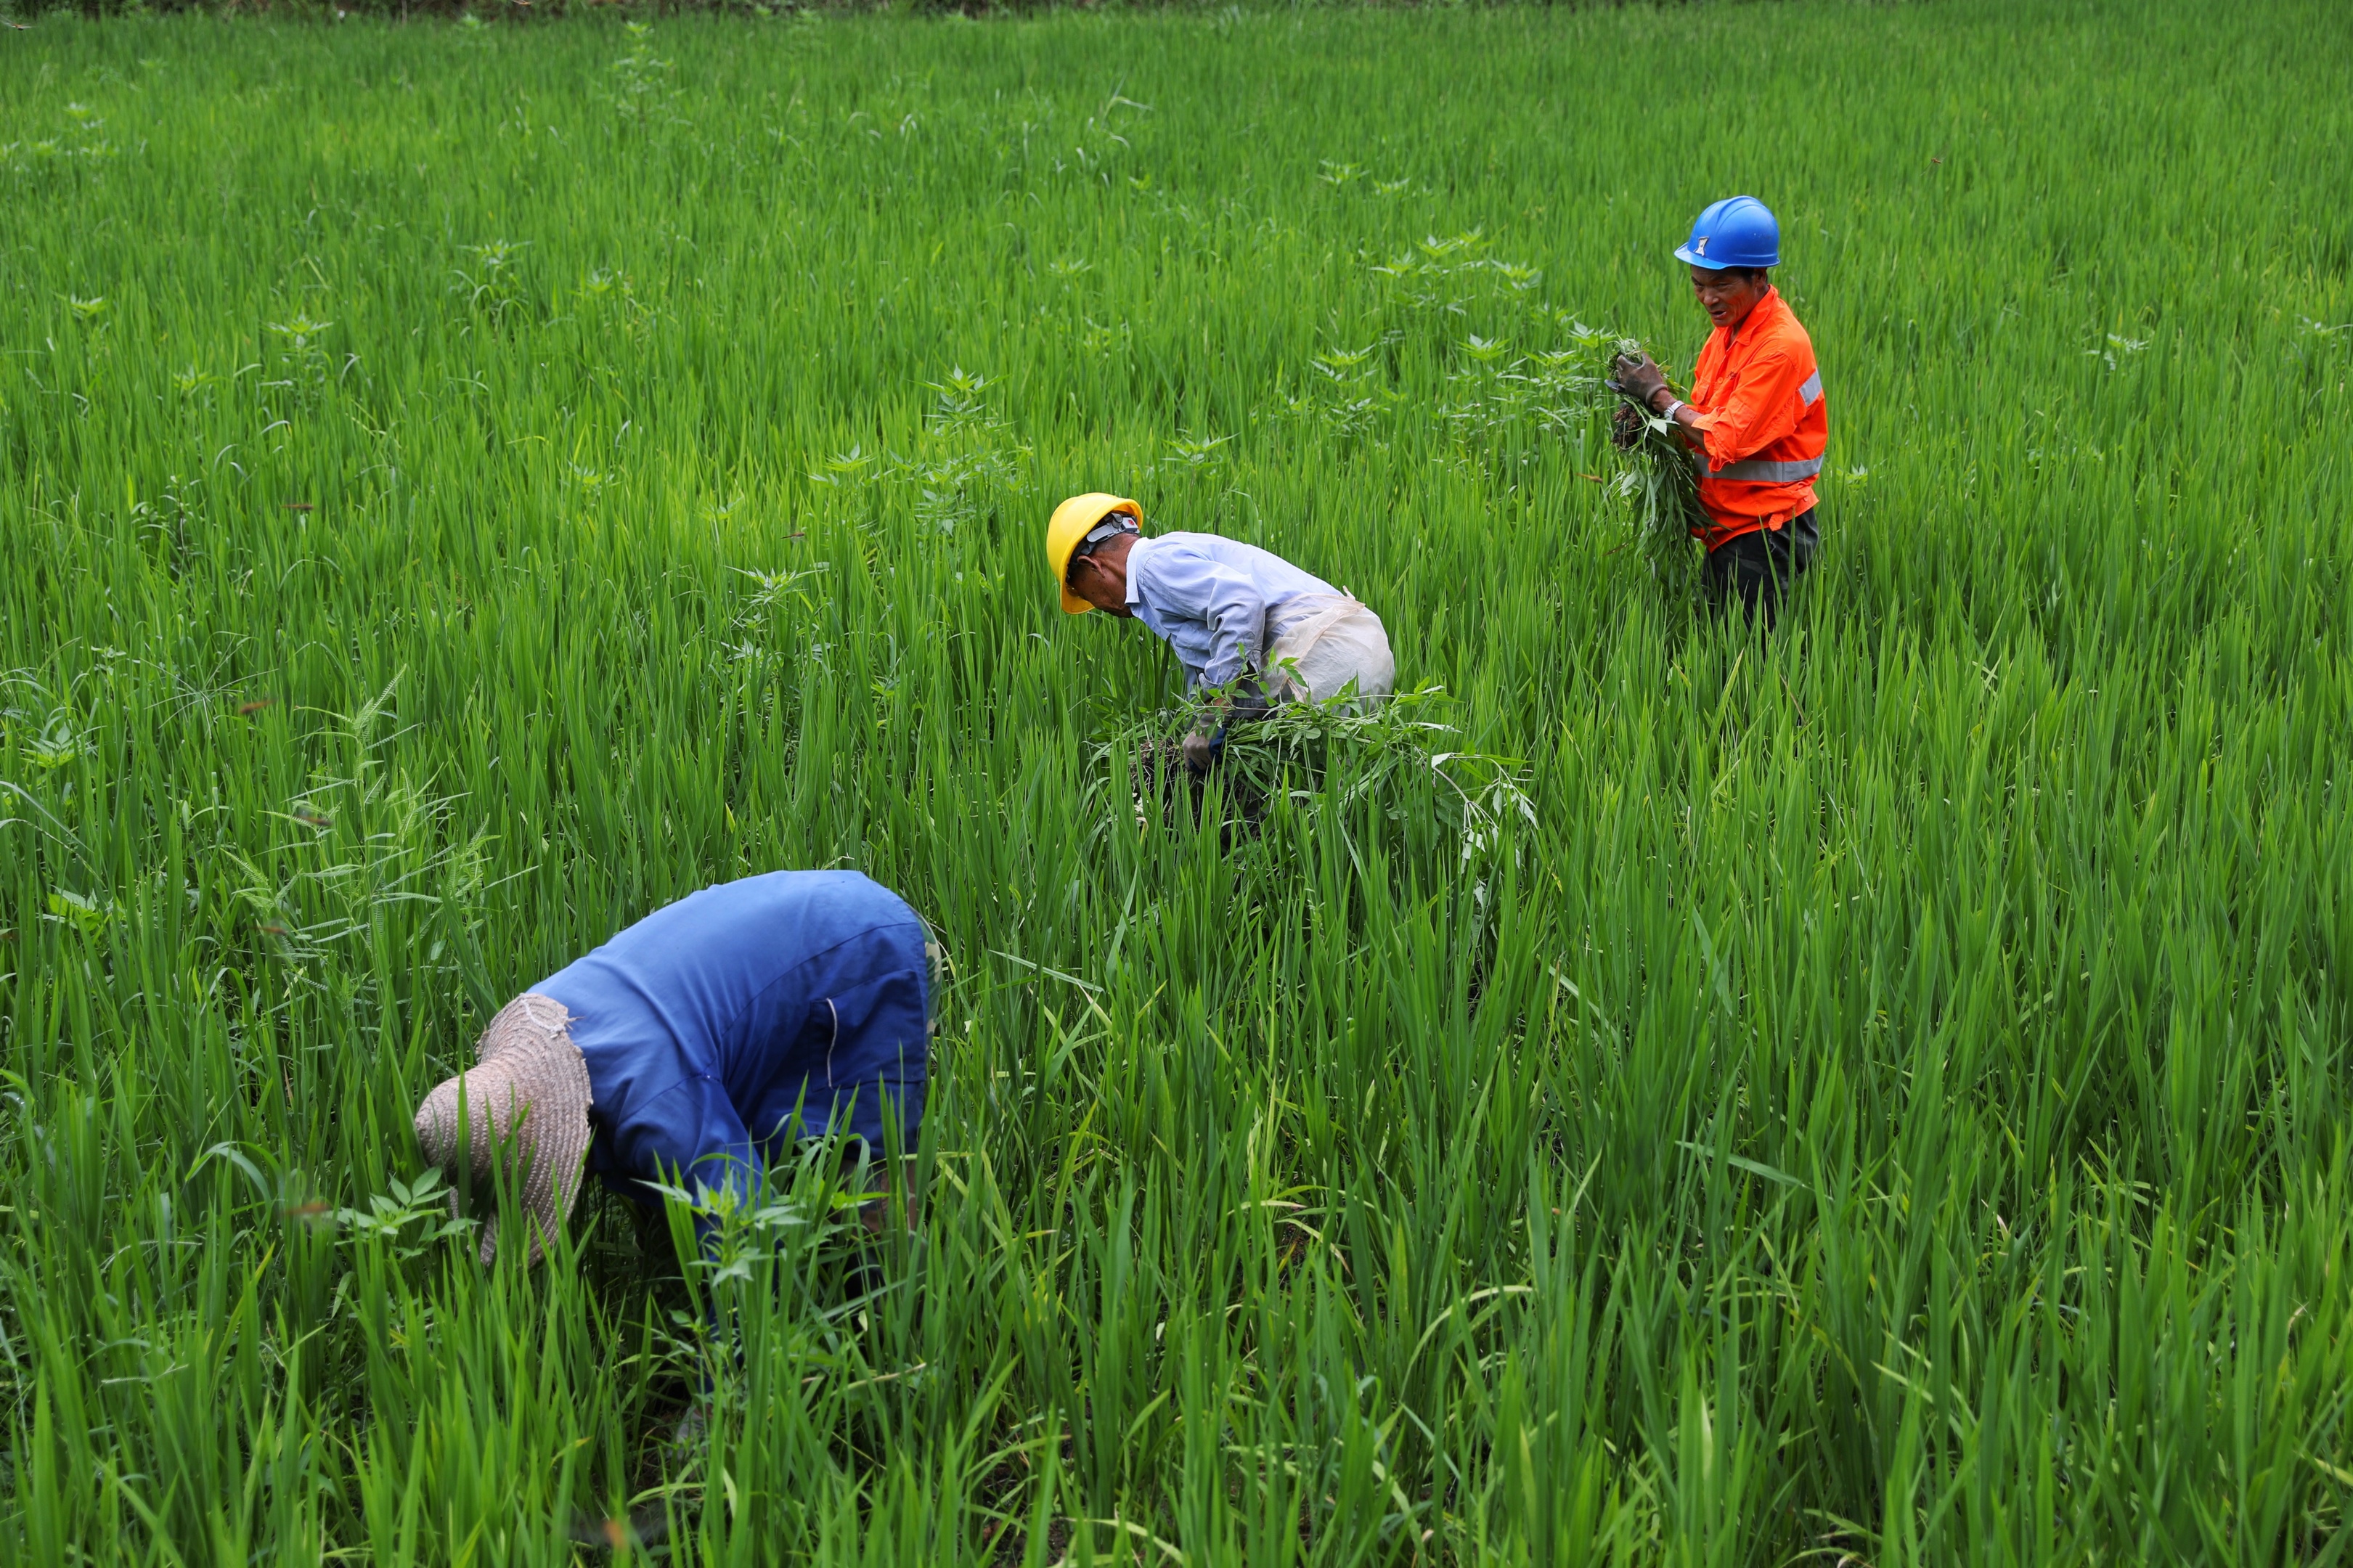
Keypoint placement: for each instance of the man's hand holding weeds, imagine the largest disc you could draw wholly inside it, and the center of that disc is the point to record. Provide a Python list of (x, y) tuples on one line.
[(1636, 377)]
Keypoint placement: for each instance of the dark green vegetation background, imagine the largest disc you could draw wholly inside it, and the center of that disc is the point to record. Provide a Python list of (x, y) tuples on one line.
[(1891, 1099)]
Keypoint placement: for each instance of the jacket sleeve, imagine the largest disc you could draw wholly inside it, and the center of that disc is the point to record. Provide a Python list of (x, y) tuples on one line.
[(1185, 583), (690, 1136), (1762, 409)]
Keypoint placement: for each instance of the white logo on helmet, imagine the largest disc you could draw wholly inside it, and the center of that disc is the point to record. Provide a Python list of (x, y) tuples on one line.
[(1701, 245)]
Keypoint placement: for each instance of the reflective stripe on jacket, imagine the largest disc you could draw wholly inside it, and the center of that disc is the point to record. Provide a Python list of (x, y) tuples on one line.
[(1764, 422)]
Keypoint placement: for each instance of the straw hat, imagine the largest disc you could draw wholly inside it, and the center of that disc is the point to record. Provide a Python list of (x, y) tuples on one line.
[(528, 1092)]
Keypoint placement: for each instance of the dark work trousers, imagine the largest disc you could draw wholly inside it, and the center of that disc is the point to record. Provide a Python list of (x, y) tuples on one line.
[(1757, 568)]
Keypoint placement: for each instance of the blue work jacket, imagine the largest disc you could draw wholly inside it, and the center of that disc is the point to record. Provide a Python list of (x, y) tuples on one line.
[(721, 1029)]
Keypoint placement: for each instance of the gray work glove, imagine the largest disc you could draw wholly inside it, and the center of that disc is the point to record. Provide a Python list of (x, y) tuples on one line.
[(1637, 378), (1201, 751)]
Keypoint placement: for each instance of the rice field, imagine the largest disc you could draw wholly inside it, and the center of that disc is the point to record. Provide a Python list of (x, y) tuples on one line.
[(1878, 1095)]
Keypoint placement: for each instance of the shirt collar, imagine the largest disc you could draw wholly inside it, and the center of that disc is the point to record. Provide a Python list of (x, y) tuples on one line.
[(1771, 302), (1134, 593)]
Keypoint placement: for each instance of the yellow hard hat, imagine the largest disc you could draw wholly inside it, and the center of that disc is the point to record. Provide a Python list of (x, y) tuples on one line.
[(1073, 520)]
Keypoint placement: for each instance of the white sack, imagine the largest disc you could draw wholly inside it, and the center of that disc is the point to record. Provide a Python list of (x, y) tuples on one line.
[(1323, 644)]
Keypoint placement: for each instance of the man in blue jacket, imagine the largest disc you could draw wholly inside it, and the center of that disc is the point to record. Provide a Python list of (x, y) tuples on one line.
[(696, 1046)]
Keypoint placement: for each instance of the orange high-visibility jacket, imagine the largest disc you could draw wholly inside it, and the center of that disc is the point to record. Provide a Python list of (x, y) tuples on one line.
[(1762, 420)]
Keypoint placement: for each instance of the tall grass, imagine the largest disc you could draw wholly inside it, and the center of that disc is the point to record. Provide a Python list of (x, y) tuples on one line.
[(461, 488)]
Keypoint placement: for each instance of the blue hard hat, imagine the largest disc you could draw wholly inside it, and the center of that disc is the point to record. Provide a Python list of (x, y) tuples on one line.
[(1737, 231)]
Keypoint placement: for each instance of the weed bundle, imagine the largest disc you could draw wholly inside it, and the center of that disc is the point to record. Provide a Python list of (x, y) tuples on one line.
[(1660, 478), (1397, 755)]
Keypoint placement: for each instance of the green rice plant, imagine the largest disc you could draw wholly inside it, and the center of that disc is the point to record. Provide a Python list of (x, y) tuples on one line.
[(1877, 1092)]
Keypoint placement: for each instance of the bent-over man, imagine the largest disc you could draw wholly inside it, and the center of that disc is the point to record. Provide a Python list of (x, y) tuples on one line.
[(1247, 625), (697, 1046)]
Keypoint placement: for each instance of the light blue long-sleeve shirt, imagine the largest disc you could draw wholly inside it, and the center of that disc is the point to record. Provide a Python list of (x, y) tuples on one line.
[(1211, 600)]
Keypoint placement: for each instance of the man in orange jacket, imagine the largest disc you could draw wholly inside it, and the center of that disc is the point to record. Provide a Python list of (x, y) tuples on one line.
[(1756, 422)]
